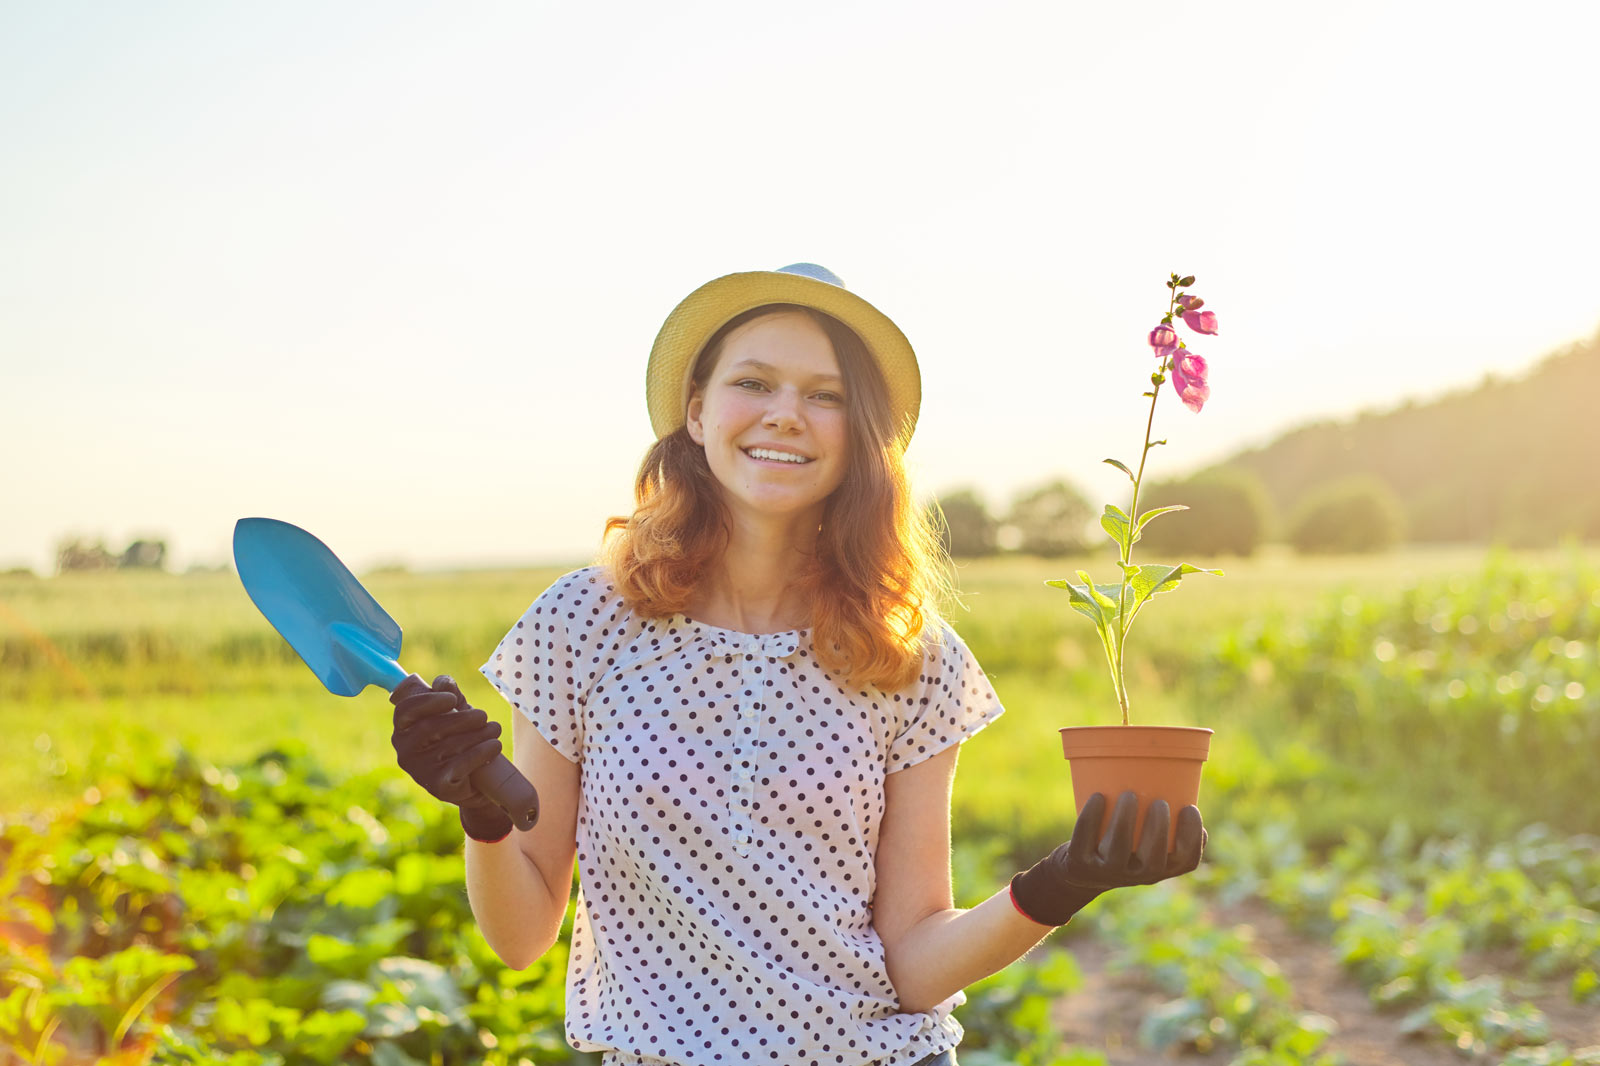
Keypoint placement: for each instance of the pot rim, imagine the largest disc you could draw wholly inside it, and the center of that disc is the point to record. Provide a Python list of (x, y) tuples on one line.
[(1136, 741)]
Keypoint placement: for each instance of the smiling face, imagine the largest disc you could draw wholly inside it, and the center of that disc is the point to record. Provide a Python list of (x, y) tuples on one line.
[(772, 419)]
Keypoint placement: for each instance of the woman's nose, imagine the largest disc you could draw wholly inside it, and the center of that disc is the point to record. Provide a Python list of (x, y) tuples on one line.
[(783, 412)]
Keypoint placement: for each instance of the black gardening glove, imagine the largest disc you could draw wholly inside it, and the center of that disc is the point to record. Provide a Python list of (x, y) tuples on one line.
[(440, 740), (1063, 882)]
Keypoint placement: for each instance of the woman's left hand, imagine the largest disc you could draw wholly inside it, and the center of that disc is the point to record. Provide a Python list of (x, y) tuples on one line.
[(1063, 882)]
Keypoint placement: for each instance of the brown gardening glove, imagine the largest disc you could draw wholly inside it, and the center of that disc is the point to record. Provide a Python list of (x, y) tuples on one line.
[(1063, 882), (440, 739)]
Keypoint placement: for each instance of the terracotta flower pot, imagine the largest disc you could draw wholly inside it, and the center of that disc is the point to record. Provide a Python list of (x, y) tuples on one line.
[(1157, 762)]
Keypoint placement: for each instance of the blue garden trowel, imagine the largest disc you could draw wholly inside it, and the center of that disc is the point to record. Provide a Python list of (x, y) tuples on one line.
[(349, 641)]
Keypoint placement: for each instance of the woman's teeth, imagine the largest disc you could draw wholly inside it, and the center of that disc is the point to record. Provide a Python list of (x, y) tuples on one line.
[(782, 457)]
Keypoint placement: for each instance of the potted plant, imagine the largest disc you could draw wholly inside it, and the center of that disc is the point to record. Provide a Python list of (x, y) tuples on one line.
[(1156, 762)]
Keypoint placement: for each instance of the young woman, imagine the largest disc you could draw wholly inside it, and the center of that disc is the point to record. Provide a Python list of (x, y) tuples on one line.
[(743, 724)]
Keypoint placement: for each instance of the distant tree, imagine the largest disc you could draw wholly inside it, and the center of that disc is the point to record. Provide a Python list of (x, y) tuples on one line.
[(1354, 514), (78, 554), (1050, 520), (1229, 514), (967, 527), (144, 555)]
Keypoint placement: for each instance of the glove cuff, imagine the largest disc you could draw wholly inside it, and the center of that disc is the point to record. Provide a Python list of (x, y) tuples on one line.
[(1041, 896), (487, 824)]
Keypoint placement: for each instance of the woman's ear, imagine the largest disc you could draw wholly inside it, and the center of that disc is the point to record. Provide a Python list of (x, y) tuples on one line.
[(697, 432)]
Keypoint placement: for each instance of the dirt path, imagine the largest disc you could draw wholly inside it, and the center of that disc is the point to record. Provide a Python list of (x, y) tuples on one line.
[(1105, 1013)]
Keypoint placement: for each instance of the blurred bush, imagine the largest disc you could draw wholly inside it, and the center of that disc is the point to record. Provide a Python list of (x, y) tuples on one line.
[(968, 529), (1359, 513), (1229, 514), (1049, 521)]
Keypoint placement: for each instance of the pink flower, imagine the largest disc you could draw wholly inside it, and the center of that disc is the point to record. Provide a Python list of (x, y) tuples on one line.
[(1201, 321), (1190, 303), (1163, 339), (1189, 379)]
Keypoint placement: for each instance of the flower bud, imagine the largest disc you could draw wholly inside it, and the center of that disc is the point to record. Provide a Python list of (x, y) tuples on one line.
[(1185, 281), (1201, 322), (1190, 303)]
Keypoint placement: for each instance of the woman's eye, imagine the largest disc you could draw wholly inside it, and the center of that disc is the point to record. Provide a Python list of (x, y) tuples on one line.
[(830, 397), (748, 383)]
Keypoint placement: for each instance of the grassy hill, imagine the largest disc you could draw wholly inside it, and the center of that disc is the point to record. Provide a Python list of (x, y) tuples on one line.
[(1510, 461)]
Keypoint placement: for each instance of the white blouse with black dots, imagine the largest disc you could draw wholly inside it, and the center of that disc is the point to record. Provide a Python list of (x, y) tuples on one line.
[(732, 794)]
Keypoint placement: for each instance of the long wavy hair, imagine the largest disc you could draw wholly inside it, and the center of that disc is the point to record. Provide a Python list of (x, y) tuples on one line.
[(879, 570)]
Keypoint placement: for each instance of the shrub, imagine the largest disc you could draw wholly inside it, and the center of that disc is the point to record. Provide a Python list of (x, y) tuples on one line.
[(1354, 514), (968, 529), (1050, 520), (1228, 514)]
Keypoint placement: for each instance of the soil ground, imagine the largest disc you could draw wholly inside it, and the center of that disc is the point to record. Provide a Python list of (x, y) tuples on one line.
[(1105, 1013)]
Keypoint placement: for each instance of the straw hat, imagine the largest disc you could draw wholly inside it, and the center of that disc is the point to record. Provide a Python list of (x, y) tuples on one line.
[(706, 310)]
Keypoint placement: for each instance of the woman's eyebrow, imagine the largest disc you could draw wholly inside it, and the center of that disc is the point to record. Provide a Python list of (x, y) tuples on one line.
[(756, 364)]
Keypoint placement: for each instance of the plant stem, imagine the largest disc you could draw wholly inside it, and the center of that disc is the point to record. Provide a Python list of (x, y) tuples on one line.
[(1123, 621)]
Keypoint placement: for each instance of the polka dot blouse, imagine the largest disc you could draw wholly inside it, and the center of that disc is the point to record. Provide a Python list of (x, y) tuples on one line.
[(732, 794)]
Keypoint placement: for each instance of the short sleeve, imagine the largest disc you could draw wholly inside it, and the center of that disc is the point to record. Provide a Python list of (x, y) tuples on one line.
[(951, 701), (548, 662)]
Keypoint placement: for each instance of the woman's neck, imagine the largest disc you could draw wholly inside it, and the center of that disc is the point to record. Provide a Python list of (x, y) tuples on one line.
[(753, 586)]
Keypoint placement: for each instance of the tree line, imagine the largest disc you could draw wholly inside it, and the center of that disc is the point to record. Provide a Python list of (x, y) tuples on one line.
[(1503, 462), (1229, 513), (77, 554)]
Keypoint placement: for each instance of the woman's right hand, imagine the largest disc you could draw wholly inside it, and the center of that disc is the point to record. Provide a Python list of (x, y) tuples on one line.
[(440, 740)]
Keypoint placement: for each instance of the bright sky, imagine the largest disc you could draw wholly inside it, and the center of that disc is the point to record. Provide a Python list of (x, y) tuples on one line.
[(391, 270)]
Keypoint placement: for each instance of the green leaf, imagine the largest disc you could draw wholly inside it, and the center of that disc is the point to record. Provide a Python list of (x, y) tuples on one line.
[(361, 888), (1098, 603), (1120, 467), (389, 1020), (326, 1035), (348, 995), (1105, 595), (421, 984), (1115, 523), (1185, 281), (1152, 513), (1082, 602), (1155, 578), (388, 1053)]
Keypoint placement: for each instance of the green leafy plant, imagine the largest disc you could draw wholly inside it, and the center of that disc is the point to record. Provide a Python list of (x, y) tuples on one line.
[(1113, 607)]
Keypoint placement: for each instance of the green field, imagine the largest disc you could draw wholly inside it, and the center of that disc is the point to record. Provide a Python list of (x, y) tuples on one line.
[(1402, 772)]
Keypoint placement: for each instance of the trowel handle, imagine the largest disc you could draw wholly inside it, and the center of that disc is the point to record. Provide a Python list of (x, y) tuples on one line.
[(499, 779)]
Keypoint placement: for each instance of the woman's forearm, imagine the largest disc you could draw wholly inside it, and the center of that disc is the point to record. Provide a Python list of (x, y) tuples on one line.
[(949, 950), (518, 912)]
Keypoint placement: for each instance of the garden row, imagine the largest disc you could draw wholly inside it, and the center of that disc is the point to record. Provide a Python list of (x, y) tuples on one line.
[(274, 914), (1475, 700)]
